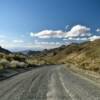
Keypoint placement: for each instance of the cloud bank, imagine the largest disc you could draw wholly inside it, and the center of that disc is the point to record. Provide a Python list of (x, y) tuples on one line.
[(54, 38), (92, 38), (75, 31), (51, 38)]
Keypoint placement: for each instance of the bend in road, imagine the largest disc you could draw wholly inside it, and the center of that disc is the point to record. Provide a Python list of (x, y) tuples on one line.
[(48, 83)]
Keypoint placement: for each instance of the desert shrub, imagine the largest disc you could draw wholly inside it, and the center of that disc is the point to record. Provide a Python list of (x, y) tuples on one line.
[(4, 63), (1, 55), (13, 64), (17, 64), (9, 58), (95, 68), (22, 65), (19, 58)]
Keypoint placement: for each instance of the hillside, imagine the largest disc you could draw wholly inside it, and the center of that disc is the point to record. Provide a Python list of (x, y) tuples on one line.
[(85, 55), (2, 50)]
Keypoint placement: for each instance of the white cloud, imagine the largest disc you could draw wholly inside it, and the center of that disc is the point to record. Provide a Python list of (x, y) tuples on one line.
[(18, 41), (76, 31), (76, 39), (82, 39), (98, 30), (31, 34), (92, 38), (48, 34), (66, 27), (47, 43)]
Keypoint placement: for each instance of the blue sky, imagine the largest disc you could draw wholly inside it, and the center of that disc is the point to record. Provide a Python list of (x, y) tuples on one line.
[(21, 20)]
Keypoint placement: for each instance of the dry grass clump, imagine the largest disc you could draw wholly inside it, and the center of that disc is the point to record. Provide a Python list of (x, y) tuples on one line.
[(17, 64), (4, 63), (12, 61)]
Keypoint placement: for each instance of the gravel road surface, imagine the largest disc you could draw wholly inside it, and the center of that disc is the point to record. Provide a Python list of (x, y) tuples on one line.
[(49, 83)]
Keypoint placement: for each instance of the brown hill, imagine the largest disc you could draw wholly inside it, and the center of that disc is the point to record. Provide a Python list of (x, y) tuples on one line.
[(85, 55)]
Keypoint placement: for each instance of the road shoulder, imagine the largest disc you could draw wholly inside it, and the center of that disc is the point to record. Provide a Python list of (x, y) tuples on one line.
[(87, 75)]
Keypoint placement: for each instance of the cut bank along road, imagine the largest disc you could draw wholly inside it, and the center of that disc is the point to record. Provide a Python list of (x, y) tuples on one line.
[(48, 83)]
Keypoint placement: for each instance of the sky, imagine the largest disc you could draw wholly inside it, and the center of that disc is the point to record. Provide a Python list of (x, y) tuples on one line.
[(40, 24)]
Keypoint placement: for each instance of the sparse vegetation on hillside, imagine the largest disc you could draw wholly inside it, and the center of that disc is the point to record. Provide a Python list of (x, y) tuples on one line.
[(13, 61), (85, 55)]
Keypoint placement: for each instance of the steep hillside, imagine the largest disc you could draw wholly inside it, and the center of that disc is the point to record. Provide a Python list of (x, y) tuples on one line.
[(2, 50), (85, 55)]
